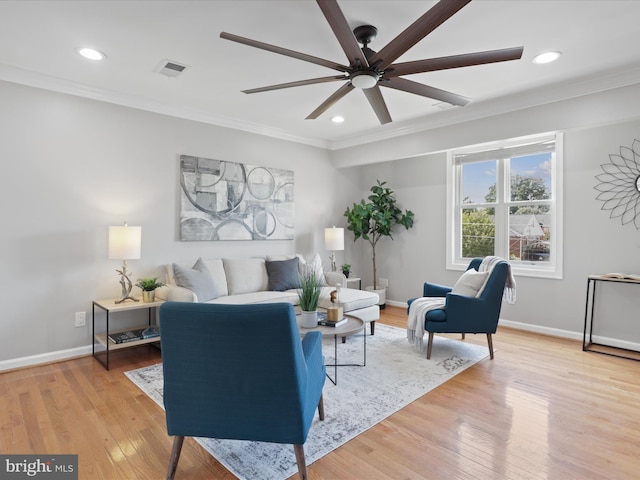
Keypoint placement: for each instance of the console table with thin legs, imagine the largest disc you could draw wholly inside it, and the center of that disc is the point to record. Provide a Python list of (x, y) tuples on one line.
[(588, 345)]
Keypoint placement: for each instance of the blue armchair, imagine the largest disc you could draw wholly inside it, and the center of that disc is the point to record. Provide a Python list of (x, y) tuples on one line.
[(462, 314), (239, 372)]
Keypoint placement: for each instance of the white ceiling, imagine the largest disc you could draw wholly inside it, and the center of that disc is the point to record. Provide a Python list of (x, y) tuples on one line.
[(38, 39)]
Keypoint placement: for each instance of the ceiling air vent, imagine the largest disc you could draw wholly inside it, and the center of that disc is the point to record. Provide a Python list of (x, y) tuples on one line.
[(169, 68)]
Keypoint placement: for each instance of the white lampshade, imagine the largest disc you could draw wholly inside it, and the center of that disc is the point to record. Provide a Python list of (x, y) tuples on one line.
[(334, 238), (125, 242)]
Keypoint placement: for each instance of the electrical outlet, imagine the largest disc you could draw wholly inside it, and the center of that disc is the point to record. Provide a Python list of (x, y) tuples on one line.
[(81, 319)]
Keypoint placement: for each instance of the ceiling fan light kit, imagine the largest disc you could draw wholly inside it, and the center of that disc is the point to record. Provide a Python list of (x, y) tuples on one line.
[(369, 70), (364, 79)]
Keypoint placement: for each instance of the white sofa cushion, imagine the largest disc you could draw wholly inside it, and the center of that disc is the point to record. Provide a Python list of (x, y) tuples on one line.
[(315, 265), (350, 298), (216, 268), (246, 275), (289, 296)]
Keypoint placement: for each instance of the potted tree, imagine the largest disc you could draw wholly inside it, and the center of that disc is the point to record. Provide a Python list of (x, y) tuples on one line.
[(148, 286), (309, 296), (374, 219)]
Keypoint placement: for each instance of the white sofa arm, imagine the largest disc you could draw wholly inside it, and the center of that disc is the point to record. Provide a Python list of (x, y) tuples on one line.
[(335, 278), (173, 293)]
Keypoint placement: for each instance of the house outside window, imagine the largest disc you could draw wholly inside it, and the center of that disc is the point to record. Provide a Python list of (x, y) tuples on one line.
[(505, 199)]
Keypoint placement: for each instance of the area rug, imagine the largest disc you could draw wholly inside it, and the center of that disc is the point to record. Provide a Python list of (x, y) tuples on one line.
[(394, 376)]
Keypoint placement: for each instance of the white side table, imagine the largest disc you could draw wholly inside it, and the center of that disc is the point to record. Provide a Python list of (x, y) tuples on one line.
[(354, 282)]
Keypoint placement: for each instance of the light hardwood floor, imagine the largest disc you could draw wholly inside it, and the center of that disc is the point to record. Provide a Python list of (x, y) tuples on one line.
[(543, 409)]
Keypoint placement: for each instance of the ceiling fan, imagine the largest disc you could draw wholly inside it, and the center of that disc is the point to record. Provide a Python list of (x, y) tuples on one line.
[(369, 70)]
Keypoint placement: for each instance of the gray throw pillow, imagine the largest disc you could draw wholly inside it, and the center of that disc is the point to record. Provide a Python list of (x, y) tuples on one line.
[(283, 274), (197, 279)]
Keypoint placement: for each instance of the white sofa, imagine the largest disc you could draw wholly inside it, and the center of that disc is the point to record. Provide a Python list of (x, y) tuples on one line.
[(247, 280)]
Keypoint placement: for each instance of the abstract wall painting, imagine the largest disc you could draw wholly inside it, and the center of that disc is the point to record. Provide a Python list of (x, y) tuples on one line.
[(222, 200)]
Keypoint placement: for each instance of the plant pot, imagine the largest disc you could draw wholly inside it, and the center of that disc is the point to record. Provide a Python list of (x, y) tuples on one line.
[(148, 296), (346, 273), (382, 294), (309, 319)]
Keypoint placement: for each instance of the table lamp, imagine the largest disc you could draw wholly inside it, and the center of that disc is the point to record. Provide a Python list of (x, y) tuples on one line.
[(124, 244), (333, 240)]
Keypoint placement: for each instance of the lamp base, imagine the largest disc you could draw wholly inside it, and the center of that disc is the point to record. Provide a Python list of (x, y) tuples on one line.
[(125, 283)]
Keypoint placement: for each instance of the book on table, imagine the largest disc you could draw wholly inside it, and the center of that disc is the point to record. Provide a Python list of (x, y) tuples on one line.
[(150, 332), (622, 276), (322, 321), (128, 336)]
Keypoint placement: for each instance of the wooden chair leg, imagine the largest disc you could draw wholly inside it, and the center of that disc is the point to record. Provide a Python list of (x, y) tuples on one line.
[(321, 408), (463, 336), (175, 456), (490, 342), (344, 339), (302, 464), (429, 345), (373, 327)]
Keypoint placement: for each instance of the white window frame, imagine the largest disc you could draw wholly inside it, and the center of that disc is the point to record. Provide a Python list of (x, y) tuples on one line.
[(455, 261)]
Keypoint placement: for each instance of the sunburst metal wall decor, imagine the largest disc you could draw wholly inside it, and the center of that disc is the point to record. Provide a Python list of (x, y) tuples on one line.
[(619, 185)]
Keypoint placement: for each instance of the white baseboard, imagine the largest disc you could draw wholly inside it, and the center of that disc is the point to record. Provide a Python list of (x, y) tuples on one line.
[(554, 332), (43, 358)]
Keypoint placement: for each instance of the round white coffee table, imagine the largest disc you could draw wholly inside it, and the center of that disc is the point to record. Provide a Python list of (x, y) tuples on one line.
[(352, 326)]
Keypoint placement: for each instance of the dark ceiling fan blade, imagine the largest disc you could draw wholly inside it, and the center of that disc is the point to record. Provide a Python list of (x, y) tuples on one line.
[(299, 83), (342, 31), (337, 95), (415, 32), (374, 95), (284, 51), (454, 61), (425, 90)]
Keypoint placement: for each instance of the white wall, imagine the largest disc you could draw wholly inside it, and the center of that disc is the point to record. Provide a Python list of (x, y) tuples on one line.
[(593, 243), (71, 167)]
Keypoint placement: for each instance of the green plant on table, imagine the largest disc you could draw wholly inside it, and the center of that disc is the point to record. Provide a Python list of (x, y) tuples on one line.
[(149, 284), (309, 290)]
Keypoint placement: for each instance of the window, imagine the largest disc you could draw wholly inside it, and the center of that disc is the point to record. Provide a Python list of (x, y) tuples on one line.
[(505, 199)]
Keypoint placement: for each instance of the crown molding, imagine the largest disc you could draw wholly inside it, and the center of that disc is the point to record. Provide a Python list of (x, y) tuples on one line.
[(475, 110), (510, 103), (34, 79)]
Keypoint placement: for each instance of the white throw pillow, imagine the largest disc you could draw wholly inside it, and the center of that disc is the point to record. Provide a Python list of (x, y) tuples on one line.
[(470, 283), (315, 265)]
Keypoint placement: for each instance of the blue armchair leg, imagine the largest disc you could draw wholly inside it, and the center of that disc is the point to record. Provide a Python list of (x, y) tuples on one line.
[(321, 408), (302, 464), (490, 342), (175, 456), (429, 345)]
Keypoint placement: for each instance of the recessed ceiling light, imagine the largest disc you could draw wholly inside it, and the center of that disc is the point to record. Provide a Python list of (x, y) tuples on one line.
[(337, 119), (546, 57), (91, 54)]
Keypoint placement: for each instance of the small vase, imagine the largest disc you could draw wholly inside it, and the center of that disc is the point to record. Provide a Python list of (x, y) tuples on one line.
[(309, 319), (345, 273), (148, 296)]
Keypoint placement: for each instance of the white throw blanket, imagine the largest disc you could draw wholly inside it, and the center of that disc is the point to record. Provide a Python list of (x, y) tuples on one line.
[(509, 287), (420, 306), (418, 309)]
